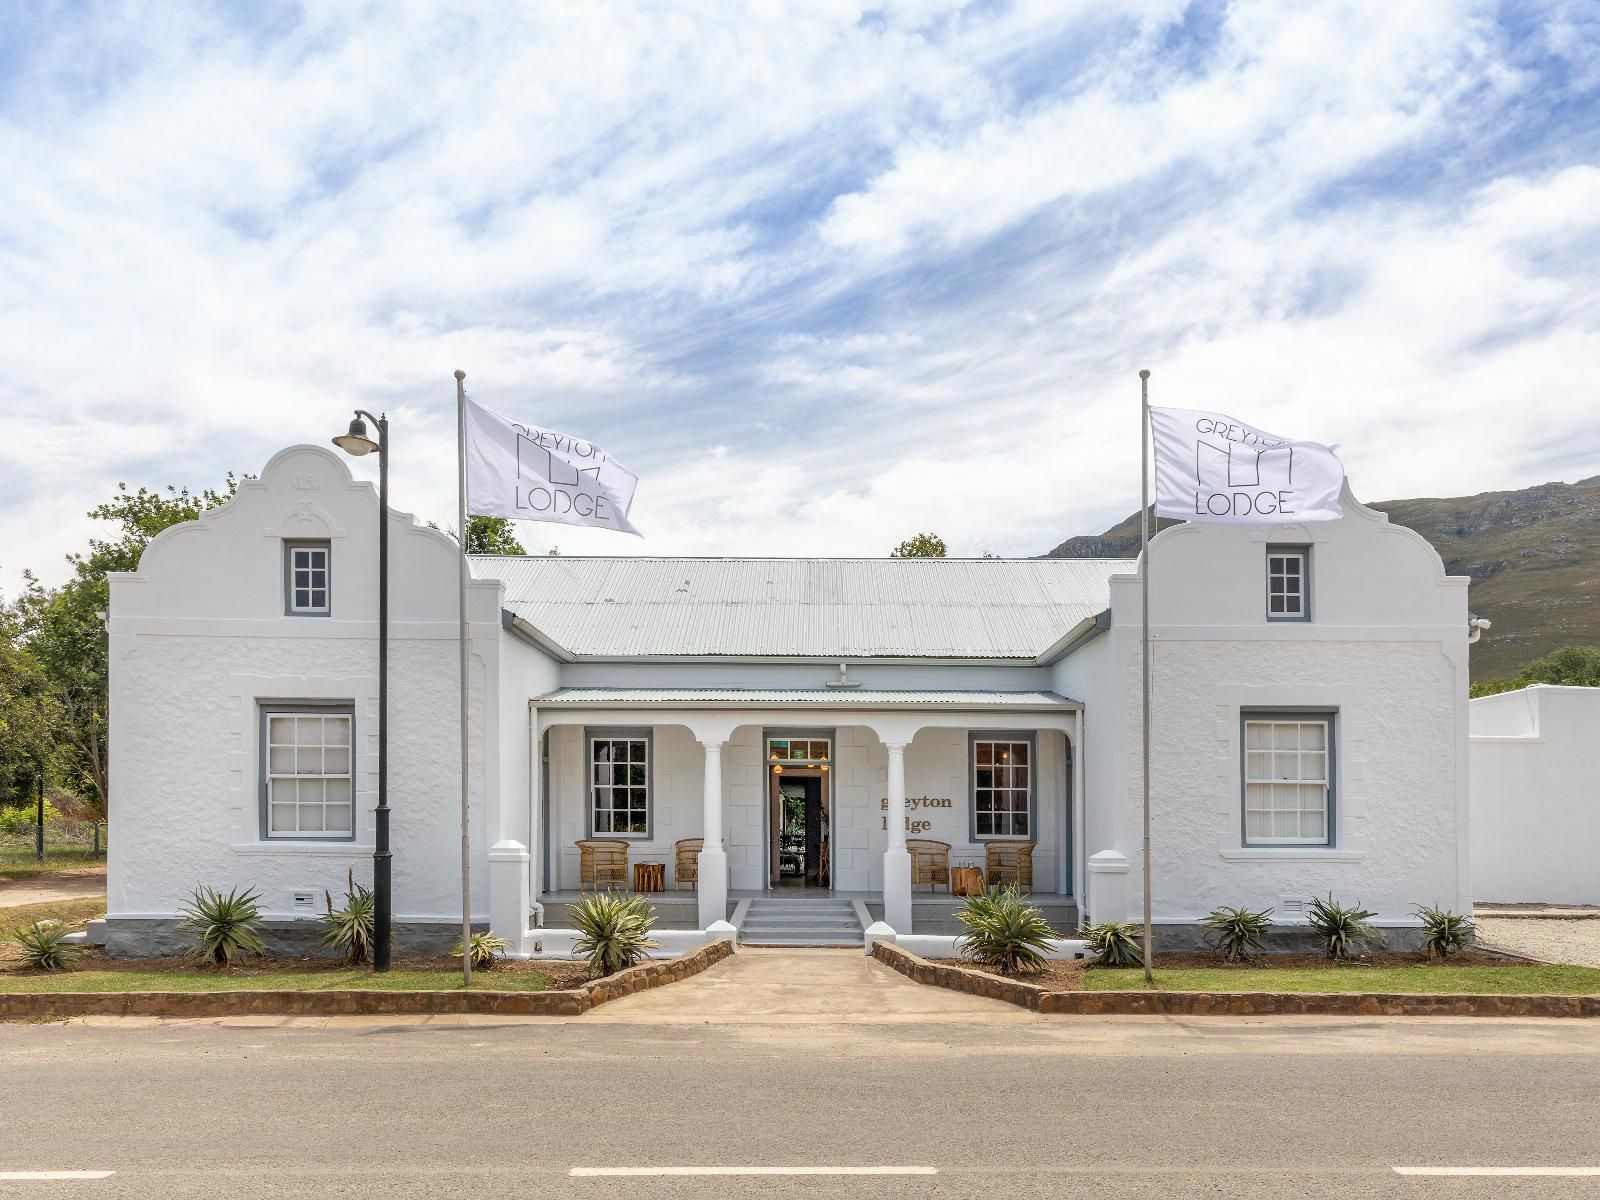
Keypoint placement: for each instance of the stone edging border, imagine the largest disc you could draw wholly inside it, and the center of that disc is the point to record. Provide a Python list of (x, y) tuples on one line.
[(1228, 1004), (572, 1002)]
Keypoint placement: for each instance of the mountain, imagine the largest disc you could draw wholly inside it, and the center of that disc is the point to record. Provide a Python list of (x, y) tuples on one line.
[(1533, 557)]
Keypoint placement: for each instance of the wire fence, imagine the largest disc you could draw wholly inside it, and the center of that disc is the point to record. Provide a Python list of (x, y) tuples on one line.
[(65, 841)]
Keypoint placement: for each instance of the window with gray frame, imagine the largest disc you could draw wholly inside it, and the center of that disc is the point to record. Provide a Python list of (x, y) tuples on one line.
[(308, 770), (306, 590), (1288, 583), (619, 783), (1002, 775), (1288, 778)]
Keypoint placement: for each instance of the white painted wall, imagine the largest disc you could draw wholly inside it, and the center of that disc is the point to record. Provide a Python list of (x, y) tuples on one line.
[(1535, 757), (198, 638), (1386, 648)]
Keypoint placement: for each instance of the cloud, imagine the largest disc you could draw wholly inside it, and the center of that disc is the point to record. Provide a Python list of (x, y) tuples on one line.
[(824, 274)]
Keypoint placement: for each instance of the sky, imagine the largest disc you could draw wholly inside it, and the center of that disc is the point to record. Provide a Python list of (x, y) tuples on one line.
[(823, 274)]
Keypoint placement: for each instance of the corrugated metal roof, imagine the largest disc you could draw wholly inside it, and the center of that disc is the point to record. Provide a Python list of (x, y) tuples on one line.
[(796, 697), (803, 608)]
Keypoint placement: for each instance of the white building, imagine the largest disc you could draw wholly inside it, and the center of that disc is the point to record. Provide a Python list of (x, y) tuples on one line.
[(1536, 795), (1309, 700)]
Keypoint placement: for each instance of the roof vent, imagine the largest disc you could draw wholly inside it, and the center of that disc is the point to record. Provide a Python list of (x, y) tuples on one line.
[(844, 680)]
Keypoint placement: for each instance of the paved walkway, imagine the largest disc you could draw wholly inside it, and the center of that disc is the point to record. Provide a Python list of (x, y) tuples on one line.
[(794, 986), (55, 886)]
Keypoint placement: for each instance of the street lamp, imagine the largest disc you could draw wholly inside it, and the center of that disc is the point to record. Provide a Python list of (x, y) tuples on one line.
[(358, 444)]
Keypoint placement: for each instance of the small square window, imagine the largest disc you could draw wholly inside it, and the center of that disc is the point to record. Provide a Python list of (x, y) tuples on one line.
[(1288, 596), (306, 579)]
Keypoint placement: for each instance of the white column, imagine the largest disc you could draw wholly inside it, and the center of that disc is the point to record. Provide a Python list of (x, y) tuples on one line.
[(509, 884), (713, 888), (896, 860)]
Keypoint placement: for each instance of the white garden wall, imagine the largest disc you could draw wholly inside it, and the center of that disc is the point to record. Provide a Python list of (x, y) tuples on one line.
[(1536, 795)]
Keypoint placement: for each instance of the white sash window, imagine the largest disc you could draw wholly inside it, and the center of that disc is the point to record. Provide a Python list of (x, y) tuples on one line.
[(1288, 779), (309, 778)]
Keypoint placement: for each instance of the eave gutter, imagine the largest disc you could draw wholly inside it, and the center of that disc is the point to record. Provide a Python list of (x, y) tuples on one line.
[(1084, 631), (519, 628)]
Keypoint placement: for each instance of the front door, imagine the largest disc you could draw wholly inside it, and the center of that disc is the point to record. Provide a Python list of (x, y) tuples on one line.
[(799, 842)]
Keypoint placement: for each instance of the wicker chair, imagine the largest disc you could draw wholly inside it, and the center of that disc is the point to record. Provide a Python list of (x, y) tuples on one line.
[(686, 862), (930, 862), (602, 863), (1008, 862)]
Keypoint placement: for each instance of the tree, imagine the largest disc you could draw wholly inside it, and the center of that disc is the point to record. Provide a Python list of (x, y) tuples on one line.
[(63, 630), (1571, 666), (487, 535), (924, 545), (30, 718), (492, 535)]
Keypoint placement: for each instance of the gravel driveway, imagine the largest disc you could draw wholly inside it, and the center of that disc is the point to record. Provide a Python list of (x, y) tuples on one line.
[(1545, 938)]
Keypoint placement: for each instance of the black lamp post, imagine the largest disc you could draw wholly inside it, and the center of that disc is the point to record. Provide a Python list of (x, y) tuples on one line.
[(357, 443)]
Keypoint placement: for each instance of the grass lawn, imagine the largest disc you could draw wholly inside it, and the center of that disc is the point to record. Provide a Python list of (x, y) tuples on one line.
[(72, 913), (1515, 979), (17, 862), (198, 979)]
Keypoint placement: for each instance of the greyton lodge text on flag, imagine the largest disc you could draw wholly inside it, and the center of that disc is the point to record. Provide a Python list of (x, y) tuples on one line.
[(1210, 467), (533, 474)]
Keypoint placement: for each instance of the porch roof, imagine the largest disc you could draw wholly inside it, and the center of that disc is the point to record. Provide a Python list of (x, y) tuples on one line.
[(845, 698)]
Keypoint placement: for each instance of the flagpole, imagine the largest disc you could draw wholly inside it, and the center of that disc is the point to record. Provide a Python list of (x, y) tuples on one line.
[(461, 588), (1144, 634)]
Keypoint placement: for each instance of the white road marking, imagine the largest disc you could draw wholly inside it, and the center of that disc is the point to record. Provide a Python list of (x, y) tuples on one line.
[(1497, 1170), (49, 1176), (636, 1171)]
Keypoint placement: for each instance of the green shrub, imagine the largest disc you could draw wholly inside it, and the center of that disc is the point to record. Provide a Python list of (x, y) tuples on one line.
[(615, 929), (487, 949), (20, 819), (1341, 929), (1236, 933), (44, 946), (351, 928), (224, 927), (1114, 943), (1443, 932), (1004, 931)]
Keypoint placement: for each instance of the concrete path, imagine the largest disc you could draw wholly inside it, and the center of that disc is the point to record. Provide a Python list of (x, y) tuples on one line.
[(761, 985), (54, 886)]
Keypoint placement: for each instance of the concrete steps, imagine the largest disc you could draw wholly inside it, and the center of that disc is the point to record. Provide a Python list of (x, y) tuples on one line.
[(800, 922)]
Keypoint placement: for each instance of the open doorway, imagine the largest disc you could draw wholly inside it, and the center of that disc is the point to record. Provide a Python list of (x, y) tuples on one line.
[(799, 824)]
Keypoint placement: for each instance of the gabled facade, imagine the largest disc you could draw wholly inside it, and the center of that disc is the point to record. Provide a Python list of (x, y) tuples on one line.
[(1310, 707)]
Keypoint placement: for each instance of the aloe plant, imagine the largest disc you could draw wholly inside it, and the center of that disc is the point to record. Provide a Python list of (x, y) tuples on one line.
[(44, 946), (1237, 933), (1443, 932), (224, 927), (1341, 928), (614, 928), (1114, 943), (1004, 932), (486, 949), (351, 928)]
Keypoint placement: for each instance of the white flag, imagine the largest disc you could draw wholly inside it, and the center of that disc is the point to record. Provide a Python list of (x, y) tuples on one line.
[(533, 474), (1210, 467)]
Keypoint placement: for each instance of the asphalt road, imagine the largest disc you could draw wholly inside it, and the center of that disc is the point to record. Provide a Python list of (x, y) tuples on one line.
[(1060, 1107)]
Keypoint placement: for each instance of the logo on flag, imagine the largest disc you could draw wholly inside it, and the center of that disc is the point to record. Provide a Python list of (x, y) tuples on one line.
[(1210, 467), (533, 474)]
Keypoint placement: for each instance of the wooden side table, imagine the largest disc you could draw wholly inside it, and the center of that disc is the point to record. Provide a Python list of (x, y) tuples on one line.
[(649, 877), (966, 881)]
